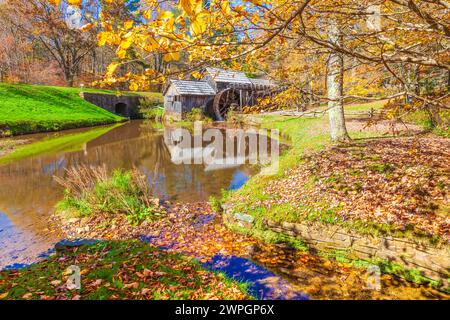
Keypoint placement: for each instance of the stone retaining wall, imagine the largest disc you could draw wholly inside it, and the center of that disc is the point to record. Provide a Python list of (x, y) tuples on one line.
[(127, 106), (434, 262)]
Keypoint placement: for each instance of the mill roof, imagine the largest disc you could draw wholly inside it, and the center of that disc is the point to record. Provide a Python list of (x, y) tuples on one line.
[(193, 87), (221, 75)]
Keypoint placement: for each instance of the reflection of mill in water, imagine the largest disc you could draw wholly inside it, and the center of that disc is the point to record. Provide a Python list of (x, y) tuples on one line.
[(28, 192), (146, 149), (219, 149)]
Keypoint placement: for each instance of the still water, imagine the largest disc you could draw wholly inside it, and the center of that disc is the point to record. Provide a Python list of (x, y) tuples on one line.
[(28, 192)]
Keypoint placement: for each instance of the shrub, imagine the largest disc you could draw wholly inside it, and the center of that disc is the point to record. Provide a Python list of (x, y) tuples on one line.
[(234, 117), (5, 131), (196, 114), (155, 113), (150, 102), (90, 190), (216, 204), (150, 108)]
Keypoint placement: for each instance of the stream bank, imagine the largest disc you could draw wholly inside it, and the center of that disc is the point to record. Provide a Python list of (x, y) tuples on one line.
[(381, 199), (195, 229), (271, 271)]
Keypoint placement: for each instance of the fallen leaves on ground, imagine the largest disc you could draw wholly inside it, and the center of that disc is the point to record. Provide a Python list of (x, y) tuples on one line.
[(118, 270), (195, 230), (403, 183)]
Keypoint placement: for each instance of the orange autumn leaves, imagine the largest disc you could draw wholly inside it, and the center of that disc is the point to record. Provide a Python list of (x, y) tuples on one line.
[(174, 33), (185, 32), (146, 273), (70, 2)]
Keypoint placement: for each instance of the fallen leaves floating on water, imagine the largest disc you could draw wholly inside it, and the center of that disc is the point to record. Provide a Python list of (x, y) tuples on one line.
[(195, 230)]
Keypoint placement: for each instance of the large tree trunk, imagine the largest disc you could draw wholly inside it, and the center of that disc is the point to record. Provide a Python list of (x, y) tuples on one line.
[(70, 81), (69, 77), (335, 83)]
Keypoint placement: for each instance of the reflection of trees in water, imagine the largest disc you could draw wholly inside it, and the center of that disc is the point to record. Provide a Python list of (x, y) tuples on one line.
[(28, 191), (27, 186)]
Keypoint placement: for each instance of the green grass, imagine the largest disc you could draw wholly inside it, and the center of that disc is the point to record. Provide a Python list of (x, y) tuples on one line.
[(122, 192), (56, 144), (422, 118), (119, 270), (358, 107), (28, 109), (307, 135), (156, 96)]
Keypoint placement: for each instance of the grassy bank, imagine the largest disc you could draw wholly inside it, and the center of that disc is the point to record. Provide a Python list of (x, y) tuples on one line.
[(95, 192), (118, 270), (60, 142), (311, 187), (29, 109), (376, 186)]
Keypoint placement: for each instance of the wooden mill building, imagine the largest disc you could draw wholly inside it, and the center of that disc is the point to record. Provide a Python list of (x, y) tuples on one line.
[(217, 92)]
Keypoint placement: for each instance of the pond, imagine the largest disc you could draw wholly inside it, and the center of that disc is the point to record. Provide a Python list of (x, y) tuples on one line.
[(28, 192)]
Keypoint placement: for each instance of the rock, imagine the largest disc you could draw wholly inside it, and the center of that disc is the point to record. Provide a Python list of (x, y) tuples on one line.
[(252, 249), (226, 207), (244, 217)]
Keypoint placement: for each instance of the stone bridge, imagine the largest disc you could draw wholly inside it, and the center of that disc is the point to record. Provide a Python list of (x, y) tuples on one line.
[(127, 106)]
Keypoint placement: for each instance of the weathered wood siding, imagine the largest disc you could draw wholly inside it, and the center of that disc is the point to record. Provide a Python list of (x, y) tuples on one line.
[(190, 102), (169, 99), (177, 105)]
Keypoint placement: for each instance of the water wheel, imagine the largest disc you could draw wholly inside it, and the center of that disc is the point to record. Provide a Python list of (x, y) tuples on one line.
[(223, 101)]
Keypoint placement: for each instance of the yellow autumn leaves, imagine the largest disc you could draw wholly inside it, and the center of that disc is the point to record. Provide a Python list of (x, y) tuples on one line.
[(191, 7), (134, 86), (111, 68), (70, 2), (109, 77), (163, 26), (199, 23), (165, 31), (197, 14), (110, 38), (128, 24), (171, 56)]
